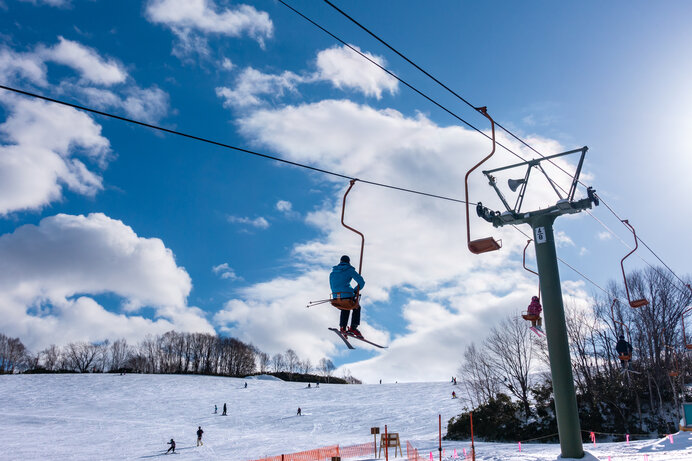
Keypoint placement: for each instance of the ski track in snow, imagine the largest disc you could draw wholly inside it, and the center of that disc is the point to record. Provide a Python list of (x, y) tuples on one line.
[(113, 417)]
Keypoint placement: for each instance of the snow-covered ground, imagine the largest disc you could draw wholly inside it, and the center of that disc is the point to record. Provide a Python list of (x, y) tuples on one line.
[(113, 417)]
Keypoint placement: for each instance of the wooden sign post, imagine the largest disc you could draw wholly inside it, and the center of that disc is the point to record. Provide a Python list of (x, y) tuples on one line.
[(390, 440), (374, 431)]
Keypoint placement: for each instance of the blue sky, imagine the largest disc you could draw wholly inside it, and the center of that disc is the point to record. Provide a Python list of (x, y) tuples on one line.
[(111, 230)]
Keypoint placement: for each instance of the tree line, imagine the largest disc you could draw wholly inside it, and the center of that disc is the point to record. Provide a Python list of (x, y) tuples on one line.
[(171, 352), (507, 381)]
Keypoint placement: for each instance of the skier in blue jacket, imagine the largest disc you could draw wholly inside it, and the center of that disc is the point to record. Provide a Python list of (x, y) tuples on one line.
[(344, 296)]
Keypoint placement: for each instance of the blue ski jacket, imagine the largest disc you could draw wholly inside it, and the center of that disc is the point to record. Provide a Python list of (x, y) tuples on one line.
[(340, 280)]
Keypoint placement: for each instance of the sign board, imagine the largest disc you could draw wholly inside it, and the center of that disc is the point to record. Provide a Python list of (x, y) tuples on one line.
[(539, 233)]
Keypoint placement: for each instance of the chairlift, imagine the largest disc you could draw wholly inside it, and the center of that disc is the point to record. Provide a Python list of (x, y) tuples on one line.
[(637, 302), (486, 244), (625, 329), (335, 298), (336, 301), (526, 315)]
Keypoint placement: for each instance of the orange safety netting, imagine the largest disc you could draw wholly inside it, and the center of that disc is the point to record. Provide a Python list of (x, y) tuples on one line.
[(326, 453), (412, 453)]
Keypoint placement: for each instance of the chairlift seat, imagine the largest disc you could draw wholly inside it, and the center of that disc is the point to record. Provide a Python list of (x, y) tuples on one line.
[(530, 317), (674, 374), (625, 357), (345, 304), (484, 245), (639, 303), (689, 347)]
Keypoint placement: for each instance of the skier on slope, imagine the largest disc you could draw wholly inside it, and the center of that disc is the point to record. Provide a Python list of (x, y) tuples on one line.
[(344, 296), (172, 448), (199, 435)]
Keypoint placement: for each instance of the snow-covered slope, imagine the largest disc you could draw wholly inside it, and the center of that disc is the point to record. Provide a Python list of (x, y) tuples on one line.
[(112, 417)]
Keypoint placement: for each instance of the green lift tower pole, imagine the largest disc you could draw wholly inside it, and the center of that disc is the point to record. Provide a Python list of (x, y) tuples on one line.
[(568, 426), (541, 221)]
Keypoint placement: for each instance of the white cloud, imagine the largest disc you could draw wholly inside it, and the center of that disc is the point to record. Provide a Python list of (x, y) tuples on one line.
[(415, 250), (14, 66), (339, 66), (562, 239), (252, 83), (346, 69), (225, 272), (87, 61), (284, 206), (145, 104), (41, 156), (604, 235), (49, 273), (227, 64), (259, 223), (46, 147), (189, 19), (58, 3)]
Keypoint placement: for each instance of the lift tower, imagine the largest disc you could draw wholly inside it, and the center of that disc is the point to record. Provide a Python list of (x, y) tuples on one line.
[(541, 221)]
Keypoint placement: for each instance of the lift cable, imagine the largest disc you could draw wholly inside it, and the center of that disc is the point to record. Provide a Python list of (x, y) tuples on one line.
[(568, 265), (404, 82), (227, 146), (270, 157), (375, 36)]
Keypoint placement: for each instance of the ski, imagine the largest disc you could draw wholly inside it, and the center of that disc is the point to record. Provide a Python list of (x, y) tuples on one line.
[(343, 338), (366, 341), (538, 331)]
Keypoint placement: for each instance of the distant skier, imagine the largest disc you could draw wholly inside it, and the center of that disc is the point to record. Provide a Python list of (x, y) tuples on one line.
[(454, 395), (172, 444), (224, 410), (308, 385), (216, 409), (317, 384), (199, 435), (245, 385), (344, 297), (624, 349), (299, 412)]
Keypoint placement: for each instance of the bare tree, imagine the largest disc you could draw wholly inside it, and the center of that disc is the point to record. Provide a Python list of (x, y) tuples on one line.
[(81, 356), (511, 355), (51, 357), (480, 378), (119, 354), (13, 354), (306, 366), (326, 367), (278, 362), (292, 360), (264, 361)]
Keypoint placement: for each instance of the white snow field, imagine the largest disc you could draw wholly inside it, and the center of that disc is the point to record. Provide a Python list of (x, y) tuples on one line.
[(113, 417)]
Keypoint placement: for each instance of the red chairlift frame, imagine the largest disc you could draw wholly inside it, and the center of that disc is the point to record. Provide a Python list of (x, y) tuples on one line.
[(335, 301), (486, 244), (637, 302), (362, 237), (526, 315)]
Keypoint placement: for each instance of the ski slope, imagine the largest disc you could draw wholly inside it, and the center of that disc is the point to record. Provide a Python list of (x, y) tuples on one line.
[(113, 417)]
